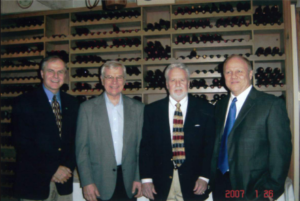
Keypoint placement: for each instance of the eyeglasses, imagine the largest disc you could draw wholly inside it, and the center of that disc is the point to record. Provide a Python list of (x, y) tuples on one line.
[(52, 72), (111, 78)]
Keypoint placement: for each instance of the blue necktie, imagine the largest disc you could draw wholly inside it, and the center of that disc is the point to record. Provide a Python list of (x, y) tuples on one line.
[(223, 155)]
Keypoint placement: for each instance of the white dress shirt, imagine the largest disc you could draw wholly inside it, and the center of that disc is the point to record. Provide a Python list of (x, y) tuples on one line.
[(116, 122), (172, 108)]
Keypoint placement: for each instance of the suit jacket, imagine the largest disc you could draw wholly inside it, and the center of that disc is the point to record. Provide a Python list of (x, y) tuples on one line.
[(156, 147), (94, 145), (40, 150), (259, 145)]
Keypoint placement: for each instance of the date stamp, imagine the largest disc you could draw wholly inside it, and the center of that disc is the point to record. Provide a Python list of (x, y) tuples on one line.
[(240, 193)]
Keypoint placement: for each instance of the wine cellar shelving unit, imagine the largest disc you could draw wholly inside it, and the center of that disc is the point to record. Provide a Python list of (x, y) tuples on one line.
[(59, 31)]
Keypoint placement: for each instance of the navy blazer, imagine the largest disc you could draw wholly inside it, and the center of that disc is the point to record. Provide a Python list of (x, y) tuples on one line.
[(40, 150), (156, 147)]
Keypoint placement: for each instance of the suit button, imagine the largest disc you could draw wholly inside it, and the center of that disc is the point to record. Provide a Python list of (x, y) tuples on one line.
[(114, 169), (59, 149), (170, 177)]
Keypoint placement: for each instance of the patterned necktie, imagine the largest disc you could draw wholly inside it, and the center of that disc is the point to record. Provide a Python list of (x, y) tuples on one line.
[(223, 154), (56, 111), (178, 137)]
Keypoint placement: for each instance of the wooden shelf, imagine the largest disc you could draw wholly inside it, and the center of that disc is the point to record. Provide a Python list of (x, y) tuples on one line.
[(57, 39), (85, 93), (107, 35), (267, 58), (10, 95), (8, 160), (84, 79), (210, 29), (21, 68), (84, 65), (267, 27), (107, 21), (23, 29), (26, 81), (107, 49), (270, 88), (6, 121), (6, 108), (6, 134), (7, 147), (221, 44), (26, 54), (21, 41), (194, 75), (179, 16), (193, 90)]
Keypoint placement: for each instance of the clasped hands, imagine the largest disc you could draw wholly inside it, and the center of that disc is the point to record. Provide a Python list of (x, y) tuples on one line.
[(148, 189), (62, 175)]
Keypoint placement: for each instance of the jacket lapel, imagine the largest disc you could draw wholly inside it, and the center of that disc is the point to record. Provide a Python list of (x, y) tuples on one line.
[(222, 116), (128, 126), (249, 103)]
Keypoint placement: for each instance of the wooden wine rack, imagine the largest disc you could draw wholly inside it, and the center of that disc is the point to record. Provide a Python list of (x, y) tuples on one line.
[(62, 22)]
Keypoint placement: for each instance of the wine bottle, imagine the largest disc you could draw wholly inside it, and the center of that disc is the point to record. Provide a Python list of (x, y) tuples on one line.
[(268, 51), (260, 51)]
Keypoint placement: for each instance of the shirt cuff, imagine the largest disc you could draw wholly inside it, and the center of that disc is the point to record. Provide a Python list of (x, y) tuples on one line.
[(204, 179), (148, 180)]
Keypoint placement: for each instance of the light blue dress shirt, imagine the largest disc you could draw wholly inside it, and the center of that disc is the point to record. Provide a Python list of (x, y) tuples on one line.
[(50, 96), (116, 122)]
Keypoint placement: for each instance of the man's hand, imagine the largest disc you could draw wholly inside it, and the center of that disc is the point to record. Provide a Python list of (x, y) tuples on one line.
[(62, 174), (137, 185), (90, 192), (200, 187), (148, 190)]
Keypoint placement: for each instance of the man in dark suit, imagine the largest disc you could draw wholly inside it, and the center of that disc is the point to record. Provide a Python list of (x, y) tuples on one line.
[(44, 132), (177, 142), (253, 140), (108, 138)]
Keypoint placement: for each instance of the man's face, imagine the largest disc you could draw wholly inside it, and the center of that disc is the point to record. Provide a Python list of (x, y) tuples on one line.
[(54, 75), (113, 81), (237, 76), (178, 84)]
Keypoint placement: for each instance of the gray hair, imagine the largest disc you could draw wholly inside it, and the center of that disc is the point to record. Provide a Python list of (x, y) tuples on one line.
[(53, 58), (112, 65), (177, 65), (250, 68)]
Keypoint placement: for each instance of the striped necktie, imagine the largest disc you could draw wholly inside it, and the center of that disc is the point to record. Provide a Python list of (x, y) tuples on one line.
[(178, 137), (57, 113)]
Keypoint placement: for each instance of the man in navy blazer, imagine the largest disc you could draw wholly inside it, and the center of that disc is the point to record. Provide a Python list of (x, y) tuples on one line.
[(162, 178), (254, 160), (45, 154)]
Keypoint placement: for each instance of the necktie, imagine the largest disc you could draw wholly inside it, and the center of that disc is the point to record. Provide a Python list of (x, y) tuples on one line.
[(223, 154), (56, 111), (178, 137)]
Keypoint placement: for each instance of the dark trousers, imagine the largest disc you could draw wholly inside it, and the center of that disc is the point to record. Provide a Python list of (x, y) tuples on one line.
[(222, 187), (120, 192)]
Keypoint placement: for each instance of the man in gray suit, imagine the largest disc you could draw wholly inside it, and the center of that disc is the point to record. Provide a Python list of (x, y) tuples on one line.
[(108, 139)]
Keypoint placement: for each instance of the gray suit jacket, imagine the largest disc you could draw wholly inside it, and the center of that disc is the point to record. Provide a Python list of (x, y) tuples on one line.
[(94, 145)]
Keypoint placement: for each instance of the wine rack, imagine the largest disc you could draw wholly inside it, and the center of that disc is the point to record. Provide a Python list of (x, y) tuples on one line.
[(238, 30)]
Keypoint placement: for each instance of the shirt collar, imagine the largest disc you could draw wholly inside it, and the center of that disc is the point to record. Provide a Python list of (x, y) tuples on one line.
[(242, 97), (107, 101), (50, 94), (174, 102)]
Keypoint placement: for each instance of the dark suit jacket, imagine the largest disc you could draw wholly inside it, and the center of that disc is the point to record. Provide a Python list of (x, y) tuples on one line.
[(259, 145), (156, 147), (40, 150)]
